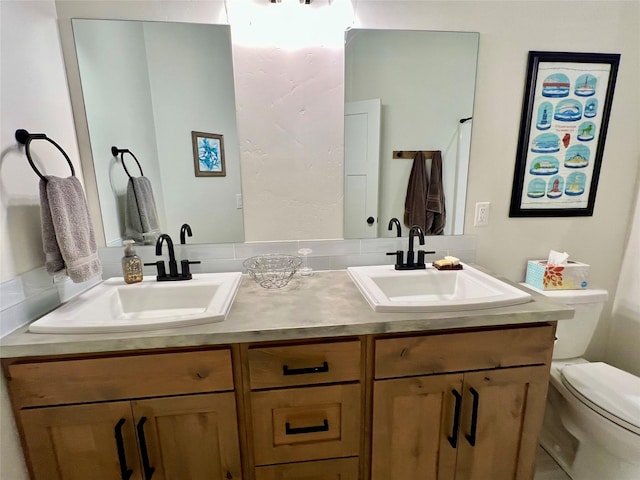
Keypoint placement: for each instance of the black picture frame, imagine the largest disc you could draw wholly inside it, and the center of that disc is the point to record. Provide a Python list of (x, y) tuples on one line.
[(559, 154)]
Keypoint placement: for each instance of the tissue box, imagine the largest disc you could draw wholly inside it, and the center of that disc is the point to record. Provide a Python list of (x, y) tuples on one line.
[(573, 276)]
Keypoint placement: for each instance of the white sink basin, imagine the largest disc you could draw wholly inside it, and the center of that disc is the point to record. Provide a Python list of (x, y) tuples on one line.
[(431, 290), (114, 306)]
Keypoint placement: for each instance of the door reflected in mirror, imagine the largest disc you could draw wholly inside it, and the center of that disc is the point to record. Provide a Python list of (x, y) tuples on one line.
[(146, 87), (405, 91)]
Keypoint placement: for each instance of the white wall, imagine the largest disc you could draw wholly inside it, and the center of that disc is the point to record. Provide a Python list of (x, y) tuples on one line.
[(34, 97), (291, 148), (424, 91)]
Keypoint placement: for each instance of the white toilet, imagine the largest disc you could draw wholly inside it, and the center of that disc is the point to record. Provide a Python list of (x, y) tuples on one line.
[(592, 418)]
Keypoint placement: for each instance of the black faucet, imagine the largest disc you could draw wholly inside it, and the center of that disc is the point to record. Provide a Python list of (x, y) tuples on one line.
[(415, 230), (162, 276), (185, 228), (392, 222), (411, 263)]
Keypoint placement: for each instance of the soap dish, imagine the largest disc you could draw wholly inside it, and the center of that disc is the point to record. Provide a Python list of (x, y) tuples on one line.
[(447, 267), (448, 263)]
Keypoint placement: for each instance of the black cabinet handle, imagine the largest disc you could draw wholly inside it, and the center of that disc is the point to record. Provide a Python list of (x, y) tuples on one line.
[(302, 371), (370, 220), (315, 428), (471, 437), (453, 439), (148, 469), (125, 472)]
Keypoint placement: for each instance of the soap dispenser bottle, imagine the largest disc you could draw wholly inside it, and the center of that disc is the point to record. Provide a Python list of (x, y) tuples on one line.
[(131, 263)]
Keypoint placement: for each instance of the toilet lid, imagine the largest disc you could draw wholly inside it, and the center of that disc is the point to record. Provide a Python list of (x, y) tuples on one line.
[(609, 391)]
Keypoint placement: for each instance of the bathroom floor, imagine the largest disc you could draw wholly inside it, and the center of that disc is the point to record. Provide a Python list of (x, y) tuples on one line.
[(547, 468)]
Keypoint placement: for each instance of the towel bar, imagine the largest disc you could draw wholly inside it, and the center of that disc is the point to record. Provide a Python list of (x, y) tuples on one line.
[(23, 137), (410, 154), (115, 151)]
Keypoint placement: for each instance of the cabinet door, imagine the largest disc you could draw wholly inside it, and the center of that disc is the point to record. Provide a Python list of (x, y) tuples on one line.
[(414, 427), (81, 442), (501, 419), (194, 437)]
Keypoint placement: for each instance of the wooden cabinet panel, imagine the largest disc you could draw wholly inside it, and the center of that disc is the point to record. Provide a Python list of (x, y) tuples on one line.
[(457, 352), (307, 364), (462, 405), (294, 425), (413, 419), (114, 378), (334, 469), (510, 408), (80, 442), (189, 438)]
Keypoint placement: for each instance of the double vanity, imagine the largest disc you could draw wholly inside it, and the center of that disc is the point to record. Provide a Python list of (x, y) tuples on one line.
[(336, 376)]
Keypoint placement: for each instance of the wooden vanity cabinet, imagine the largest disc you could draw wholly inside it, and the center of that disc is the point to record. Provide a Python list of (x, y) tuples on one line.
[(463, 406), (133, 417), (442, 405)]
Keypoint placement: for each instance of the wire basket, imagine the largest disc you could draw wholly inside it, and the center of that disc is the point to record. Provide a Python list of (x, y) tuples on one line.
[(272, 270)]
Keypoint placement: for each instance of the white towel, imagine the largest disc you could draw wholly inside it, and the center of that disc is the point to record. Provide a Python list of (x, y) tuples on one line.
[(67, 234), (140, 214)]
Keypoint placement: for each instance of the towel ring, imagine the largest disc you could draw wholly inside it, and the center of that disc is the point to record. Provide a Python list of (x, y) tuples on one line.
[(115, 151), (23, 137)]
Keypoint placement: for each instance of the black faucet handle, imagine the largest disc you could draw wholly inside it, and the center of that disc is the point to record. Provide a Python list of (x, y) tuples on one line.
[(186, 272), (421, 254), (399, 257), (162, 273)]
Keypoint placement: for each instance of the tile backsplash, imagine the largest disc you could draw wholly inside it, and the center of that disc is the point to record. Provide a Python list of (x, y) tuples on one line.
[(33, 294)]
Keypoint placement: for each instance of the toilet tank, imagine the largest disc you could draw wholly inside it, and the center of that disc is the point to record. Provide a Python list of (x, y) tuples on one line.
[(575, 334)]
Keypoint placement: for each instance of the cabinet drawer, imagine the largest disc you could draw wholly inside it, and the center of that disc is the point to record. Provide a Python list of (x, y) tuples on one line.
[(135, 376), (294, 425), (335, 469), (306, 364), (455, 352)]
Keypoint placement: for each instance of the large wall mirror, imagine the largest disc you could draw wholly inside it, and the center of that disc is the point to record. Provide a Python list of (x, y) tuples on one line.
[(146, 87), (405, 91)]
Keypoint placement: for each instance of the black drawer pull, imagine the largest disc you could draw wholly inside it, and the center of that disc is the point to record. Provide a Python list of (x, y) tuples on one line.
[(453, 439), (125, 472), (471, 437), (315, 428), (148, 469), (303, 371)]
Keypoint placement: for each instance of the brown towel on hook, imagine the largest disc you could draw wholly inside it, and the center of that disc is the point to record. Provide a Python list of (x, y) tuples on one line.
[(415, 203), (435, 209)]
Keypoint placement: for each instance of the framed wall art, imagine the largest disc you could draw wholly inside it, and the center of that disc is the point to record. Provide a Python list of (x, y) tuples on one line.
[(208, 154), (565, 114)]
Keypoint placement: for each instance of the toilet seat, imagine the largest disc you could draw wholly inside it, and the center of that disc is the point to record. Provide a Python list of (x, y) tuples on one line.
[(611, 392)]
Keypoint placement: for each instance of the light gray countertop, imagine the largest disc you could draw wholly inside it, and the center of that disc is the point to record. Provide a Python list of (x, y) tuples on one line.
[(326, 304)]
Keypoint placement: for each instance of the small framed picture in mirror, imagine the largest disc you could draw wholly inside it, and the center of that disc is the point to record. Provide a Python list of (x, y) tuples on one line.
[(208, 154)]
